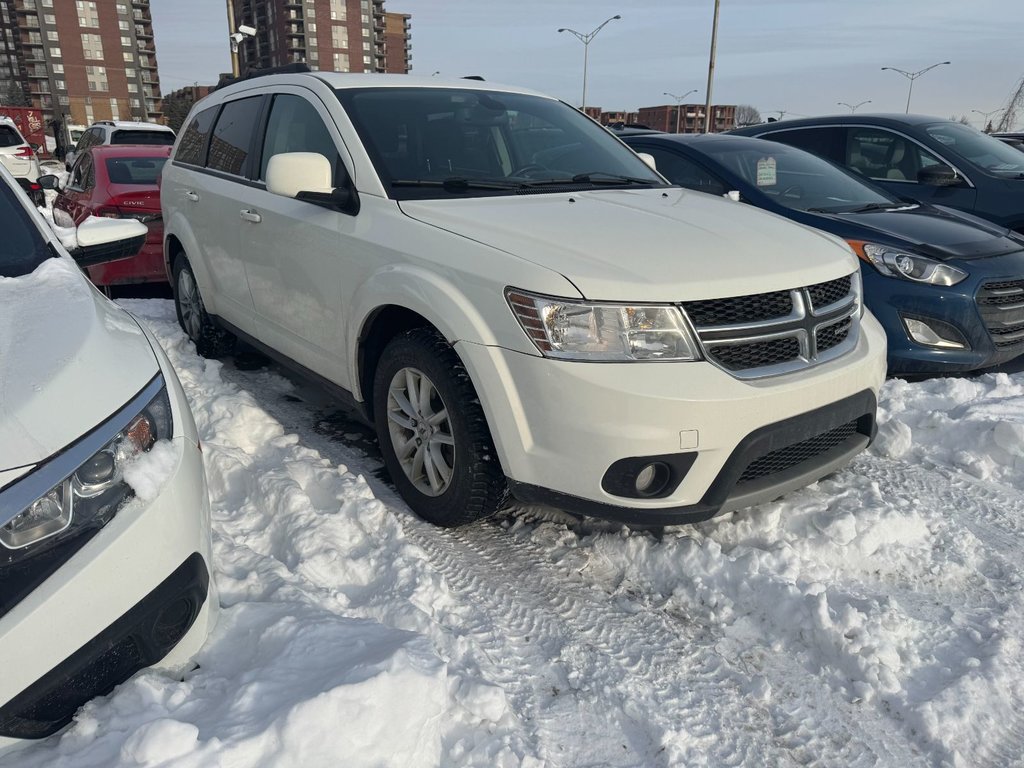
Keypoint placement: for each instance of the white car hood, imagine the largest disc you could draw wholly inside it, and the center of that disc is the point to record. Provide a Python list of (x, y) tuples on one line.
[(661, 245), (68, 360)]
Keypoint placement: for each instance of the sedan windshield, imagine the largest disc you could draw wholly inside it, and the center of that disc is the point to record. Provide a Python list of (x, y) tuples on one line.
[(440, 142), (981, 149), (798, 179), (22, 248)]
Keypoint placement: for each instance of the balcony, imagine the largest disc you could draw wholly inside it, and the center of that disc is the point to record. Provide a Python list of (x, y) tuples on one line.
[(145, 34)]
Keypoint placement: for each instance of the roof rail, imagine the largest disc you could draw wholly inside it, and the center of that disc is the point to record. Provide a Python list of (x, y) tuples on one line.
[(284, 69), (103, 122)]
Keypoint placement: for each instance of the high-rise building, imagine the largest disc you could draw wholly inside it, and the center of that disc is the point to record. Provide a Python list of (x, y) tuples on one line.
[(397, 44), (329, 35), (81, 60)]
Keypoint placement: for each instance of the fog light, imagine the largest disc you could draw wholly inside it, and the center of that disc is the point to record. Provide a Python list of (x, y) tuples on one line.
[(933, 334), (651, 479)]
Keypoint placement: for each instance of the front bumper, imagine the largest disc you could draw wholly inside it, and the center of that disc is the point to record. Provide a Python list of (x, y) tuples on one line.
[(137, 593), (559, 426)]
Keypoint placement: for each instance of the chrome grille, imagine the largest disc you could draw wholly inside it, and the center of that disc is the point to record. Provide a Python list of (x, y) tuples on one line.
[(768, 334)]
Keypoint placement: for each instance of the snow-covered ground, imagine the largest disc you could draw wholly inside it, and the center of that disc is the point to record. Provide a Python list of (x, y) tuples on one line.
[(874, 619)]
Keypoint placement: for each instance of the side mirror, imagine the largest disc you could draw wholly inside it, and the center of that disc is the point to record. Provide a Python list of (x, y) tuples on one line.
[(307, 176), (49, 181), (938, 176), (649, 159), (732, 194), (103, 240)]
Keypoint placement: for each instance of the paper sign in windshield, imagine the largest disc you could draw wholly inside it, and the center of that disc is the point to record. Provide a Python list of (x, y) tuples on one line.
[(766, 172)]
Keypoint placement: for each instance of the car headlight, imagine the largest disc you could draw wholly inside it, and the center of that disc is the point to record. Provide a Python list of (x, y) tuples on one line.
[(570, 329), (85, 483), (896, 262)]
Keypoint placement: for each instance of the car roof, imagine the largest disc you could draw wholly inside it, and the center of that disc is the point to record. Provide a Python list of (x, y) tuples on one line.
[(892, 120), (106, 151), (696, 140), (627, 131)]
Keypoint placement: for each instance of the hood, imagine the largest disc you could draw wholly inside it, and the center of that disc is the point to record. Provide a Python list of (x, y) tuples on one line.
[(657, 245), (68, 360), (942, 234)]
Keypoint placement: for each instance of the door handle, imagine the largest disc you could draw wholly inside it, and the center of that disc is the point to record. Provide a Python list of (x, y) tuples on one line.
[(192, 196), (252, 216)]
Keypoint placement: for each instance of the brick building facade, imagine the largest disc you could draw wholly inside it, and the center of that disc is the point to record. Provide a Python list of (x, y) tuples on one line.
[(690, 117)]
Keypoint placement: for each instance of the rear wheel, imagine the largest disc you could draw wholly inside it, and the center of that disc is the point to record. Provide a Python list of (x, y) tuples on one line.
[(210, 339), (432, 431)]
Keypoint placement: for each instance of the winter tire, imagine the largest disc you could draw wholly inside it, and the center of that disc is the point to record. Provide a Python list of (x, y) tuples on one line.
[(432, 431), (209, 338)]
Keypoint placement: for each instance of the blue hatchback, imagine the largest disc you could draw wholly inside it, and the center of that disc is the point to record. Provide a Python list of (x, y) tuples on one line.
[(948, 287)]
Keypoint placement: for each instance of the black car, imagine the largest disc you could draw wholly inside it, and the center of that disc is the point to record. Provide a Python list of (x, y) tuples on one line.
[(929, 159), (948, 287)]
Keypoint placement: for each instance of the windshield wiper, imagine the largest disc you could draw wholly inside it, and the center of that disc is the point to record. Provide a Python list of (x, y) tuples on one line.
[(456, 184), (875, 207), (604, 178)]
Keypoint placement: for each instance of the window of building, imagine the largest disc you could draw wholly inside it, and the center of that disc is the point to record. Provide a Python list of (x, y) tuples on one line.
[(126, 42), (51, 34), (87, 15), (49, 18), (129, 56), (97, 78), (339, 36), (47, 3), (60, 85), (63, 100), (115, 111), (92, 46), (341, 62), (58, 68), (311, 26), (338, 10), (135, 102), (366, 60), (313, 42), (55, 52), (123, 25), (122, 9)]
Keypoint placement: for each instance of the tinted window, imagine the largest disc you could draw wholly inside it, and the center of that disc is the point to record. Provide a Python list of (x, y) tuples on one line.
[(232, 136), (824, 142), (161, 138), (419, 138), (982, 150), (881, 154), (83, 175), (9, 137), (22, 248), (134, 170), (192, 147), (683, 171), (296, 126)]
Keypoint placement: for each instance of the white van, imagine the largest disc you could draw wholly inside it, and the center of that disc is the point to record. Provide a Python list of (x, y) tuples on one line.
[(516, 300)]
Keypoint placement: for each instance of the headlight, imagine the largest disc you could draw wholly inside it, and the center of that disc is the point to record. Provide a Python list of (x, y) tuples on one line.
[(86, 481), (895, 262), (574, 330)]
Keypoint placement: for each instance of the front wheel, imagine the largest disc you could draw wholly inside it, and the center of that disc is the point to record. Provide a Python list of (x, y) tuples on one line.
[(432, 431)]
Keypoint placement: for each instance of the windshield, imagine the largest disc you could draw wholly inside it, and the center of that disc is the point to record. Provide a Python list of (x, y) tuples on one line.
[(440, 142), (22, 247), (135, 170), (163, 138), (797, 179), (981, 149)]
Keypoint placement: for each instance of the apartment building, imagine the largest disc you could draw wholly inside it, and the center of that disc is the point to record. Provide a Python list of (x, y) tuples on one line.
[(81, 60), (397, 43), (329, 35), (687, 118)]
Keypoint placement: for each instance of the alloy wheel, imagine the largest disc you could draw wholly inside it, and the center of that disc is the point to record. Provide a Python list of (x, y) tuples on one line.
[(421, 431)]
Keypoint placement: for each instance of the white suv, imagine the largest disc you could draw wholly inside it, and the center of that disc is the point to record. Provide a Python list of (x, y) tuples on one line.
[(120, 132), (516, 300), (20, 159)]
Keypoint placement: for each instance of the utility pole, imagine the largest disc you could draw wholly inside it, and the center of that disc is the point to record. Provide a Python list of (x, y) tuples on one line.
[(232, 30), (711, 70)]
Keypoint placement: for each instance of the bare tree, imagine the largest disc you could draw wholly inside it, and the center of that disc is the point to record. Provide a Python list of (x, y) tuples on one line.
[(14, 96), (747, 115), (961, 119)]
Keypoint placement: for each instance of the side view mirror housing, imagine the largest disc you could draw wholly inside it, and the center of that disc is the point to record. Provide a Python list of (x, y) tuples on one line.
[(649, 159), (101, 240), (49, 181), (307, 176), (939, 176), (734, 195)]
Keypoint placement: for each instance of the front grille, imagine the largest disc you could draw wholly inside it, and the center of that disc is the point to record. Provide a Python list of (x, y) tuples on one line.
[(766, 334), (1001, 304), (738, 357), (785, 458), (740, 309), (824, 294), (833, 335)]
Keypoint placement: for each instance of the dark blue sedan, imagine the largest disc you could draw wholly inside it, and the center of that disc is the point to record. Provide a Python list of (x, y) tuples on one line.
[(947, 286)]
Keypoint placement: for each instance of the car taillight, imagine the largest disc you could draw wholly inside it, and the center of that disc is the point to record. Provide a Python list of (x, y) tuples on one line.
[(25, 151)]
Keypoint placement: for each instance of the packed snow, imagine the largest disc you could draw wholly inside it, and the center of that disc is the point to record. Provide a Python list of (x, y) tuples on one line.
[(873, 619)]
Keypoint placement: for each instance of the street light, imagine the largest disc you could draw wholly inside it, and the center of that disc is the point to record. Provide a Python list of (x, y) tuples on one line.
[(853, 107), (585, 39), (679, 102), (912, 76), (986, 115)]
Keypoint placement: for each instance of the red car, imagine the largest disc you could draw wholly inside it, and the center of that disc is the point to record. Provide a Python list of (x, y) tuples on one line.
[(119, 181)]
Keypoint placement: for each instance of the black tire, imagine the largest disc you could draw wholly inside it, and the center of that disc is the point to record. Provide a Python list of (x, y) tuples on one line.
[(477, 487), (210, 339)]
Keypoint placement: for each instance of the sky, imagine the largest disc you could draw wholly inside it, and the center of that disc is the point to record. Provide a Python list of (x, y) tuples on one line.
[(799, 57)]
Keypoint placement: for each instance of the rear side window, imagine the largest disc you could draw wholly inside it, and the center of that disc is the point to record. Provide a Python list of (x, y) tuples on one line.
[(9, 137), (823, 142), (880, 154), (192, 148), (135, 170), (296, 126), (232, 136), (160, 138)]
